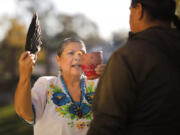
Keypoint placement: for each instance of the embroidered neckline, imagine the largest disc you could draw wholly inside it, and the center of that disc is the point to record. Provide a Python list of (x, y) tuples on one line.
[(65, 107), (77, 106)]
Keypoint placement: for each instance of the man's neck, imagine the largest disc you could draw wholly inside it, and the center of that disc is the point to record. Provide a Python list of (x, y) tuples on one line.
[(143, 26)]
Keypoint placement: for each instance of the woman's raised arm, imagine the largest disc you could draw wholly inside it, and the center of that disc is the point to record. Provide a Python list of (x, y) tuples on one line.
[(22, 98)]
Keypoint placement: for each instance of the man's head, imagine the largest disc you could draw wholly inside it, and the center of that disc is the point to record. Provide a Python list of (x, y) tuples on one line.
[(148, 13)]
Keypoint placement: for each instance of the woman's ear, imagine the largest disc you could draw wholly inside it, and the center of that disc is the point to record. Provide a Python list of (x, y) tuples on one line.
[(58, 60)]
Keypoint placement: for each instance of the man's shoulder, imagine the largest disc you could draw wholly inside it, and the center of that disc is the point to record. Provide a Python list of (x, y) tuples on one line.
[(134, 48)]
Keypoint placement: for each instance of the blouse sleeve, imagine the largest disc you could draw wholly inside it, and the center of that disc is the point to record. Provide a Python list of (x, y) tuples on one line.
[(39, 96)]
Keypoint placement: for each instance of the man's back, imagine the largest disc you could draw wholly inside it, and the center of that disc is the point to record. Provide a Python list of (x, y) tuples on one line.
[(156, 71), (144, 98)]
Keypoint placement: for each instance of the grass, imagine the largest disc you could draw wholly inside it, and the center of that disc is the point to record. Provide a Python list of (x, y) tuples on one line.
[(10, 124)]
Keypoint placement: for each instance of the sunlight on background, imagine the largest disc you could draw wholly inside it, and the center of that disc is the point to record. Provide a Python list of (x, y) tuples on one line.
[(109, 15), (7, 8)]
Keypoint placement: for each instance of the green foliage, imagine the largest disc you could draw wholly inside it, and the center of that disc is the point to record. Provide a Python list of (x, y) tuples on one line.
[(16, 35), (10, 123)]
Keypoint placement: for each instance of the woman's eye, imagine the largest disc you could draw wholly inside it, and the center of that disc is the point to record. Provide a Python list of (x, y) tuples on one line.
[(71, 53)]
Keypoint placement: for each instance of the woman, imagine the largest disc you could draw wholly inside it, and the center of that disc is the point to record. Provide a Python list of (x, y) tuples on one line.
[(57, 105)]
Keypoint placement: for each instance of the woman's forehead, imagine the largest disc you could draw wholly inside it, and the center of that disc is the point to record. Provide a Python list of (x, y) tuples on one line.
[(75, 46)]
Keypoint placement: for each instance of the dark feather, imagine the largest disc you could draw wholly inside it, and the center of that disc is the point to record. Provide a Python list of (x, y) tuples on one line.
[(33, 39)]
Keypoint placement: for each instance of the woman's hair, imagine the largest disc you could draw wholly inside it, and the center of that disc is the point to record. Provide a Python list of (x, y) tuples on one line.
[(163, 10), (63, 43)]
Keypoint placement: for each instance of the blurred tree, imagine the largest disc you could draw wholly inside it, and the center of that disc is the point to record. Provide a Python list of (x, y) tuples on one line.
[(11, 47), (94, 42), (84, 27), (4, 26), (56, 26), (16, 35), (119, 38), (178, 7)]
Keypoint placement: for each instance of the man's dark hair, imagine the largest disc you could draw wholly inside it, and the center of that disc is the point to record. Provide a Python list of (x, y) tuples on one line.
[(163, 10)]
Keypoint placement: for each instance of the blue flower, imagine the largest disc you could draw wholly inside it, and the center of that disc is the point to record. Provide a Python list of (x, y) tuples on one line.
[(60, 99), (84, 108), (89, 97)]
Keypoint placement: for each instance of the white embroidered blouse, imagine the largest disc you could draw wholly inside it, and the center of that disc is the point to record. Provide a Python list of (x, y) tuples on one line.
[(55, 113)]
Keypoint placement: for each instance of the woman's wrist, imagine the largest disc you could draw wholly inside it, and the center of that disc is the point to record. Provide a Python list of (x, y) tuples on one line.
[(23, 79)]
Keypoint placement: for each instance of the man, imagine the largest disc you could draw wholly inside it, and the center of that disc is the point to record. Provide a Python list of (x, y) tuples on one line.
[(139, 92)]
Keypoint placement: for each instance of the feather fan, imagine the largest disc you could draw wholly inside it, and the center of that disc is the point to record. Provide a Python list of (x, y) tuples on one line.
[(33, 39)]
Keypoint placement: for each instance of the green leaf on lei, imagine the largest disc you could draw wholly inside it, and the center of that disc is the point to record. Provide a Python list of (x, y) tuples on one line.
[(87, 123), (71, 124), (57, 90), (90, 88)]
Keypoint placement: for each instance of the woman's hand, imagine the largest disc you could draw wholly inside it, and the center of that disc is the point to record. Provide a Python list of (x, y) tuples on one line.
[(100, 68), (26, 64)]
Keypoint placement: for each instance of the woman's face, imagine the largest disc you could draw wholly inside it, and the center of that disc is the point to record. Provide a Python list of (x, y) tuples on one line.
[(69, 61)]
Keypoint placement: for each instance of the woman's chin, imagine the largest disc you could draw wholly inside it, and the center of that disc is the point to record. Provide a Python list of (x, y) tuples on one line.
[(76, 73)]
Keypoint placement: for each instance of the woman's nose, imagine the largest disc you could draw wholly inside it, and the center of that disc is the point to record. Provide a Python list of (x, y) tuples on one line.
[(77, 56)]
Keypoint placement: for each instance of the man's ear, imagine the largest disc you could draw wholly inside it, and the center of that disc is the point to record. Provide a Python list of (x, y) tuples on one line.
[(140, 11)]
